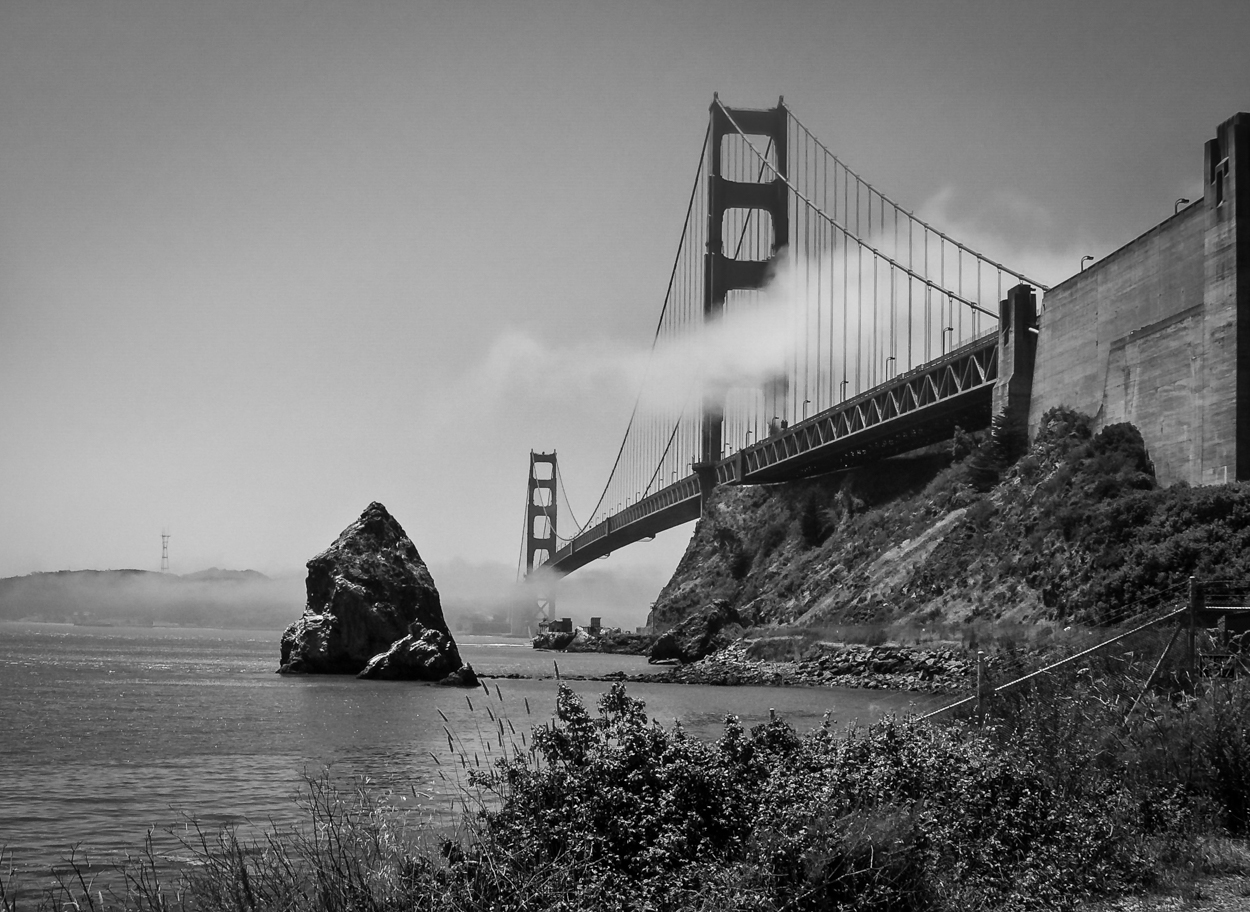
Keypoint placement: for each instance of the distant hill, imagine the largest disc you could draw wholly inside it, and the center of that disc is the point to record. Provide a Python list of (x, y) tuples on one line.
[(209, 598), (215, 573)]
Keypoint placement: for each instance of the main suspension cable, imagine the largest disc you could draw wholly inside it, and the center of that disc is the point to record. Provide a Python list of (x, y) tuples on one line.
[(919, 221), (567, 504), (525, 533), (864, 245)]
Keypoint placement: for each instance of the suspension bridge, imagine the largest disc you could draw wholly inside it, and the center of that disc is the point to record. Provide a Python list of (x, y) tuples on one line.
[(810, 324)]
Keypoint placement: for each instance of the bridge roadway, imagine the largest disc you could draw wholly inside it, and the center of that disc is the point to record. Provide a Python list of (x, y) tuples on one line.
[(915, 409)]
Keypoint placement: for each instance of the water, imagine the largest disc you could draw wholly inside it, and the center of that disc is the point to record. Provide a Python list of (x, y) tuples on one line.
[(106, 733)]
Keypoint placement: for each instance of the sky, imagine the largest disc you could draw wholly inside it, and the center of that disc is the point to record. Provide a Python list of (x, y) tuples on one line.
[(264, 263)]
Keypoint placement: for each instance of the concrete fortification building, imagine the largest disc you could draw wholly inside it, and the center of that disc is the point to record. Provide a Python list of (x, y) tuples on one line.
[(1156, 334)]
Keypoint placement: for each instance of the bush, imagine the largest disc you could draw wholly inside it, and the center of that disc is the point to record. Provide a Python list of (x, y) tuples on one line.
[(772, 536), (812, 526), (896, 816), (1048, 799)]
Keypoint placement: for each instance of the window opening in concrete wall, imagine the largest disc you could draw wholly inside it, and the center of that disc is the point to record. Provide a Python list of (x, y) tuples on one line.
[(1219, 165)]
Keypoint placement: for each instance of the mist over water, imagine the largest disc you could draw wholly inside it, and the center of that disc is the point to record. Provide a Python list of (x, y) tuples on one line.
[(490, 594), (211, 598), (482, 596)]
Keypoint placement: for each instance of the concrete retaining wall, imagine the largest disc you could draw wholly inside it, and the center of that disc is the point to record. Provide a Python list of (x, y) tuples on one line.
[(1158, 333)]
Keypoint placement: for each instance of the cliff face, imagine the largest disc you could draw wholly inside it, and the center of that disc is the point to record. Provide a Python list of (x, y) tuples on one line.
[(770, 552), (1076, 528)]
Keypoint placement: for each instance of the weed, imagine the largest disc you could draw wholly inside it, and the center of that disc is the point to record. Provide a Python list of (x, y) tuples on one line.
[(1054, 795)]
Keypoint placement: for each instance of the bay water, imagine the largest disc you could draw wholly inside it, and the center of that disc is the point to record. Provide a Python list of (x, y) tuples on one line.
[(109, 733)]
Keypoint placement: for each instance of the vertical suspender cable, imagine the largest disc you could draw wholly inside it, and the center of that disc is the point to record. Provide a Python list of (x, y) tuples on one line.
[(667, 297)]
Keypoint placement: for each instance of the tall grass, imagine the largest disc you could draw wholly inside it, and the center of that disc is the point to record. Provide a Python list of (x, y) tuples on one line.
[(1053, 794)]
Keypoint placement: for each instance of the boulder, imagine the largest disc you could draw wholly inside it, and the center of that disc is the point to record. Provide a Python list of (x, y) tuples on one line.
[(367, 591), (702, 634), (464, 676), (422, 655), (555, 641)]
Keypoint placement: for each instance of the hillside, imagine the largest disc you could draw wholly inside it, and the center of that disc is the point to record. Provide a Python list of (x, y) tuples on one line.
[(1075, 529), (209, 598)]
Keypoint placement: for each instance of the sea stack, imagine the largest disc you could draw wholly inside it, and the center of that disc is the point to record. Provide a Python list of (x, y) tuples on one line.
[(371, 597)]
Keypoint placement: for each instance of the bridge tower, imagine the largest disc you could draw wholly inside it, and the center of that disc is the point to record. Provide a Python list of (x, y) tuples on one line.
[(540, 525), (723, 273)]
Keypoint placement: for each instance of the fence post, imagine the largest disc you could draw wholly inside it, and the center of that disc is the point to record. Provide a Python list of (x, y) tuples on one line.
[(980, 706), (1195, 605)]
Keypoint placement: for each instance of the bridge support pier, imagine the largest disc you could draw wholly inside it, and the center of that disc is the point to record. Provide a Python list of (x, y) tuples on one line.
[(1017, 354), (706, 472)]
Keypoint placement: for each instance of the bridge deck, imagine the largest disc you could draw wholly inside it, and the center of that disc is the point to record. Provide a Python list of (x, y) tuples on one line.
[(912, 410)]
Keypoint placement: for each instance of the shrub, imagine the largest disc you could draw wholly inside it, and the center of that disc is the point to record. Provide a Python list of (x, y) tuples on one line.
[(875, 635), (979, 514), (896, 816), (1029, 468), (772, 536), (621, 793), (962, 444), (1223, 724), (1048, 799), (812, 525)]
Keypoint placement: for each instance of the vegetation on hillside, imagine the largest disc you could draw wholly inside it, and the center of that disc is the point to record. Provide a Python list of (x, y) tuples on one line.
[(1073, 530)]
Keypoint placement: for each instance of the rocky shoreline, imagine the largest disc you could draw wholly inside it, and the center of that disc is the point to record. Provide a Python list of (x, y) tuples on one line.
[(616, 643), (903, 668)]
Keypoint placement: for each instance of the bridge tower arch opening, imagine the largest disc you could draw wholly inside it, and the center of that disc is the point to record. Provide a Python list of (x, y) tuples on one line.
[(724, 269)]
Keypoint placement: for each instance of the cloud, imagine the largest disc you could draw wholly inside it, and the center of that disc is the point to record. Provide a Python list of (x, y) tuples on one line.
[(1012, 229), (832, 323)]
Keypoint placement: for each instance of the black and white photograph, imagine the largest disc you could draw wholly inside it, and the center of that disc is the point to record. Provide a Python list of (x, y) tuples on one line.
[(624, 456)]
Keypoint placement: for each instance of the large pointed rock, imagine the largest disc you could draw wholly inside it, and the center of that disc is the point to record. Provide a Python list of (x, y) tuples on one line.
[(365, 592)]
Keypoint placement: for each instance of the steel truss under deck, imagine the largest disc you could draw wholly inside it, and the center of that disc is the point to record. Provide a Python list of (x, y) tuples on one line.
[(915, 409)]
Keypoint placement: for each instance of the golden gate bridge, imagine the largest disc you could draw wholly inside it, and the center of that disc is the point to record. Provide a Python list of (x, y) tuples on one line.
[(810, 324)]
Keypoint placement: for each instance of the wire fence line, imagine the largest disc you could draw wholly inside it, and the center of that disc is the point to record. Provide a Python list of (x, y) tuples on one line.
[(1131, 649)]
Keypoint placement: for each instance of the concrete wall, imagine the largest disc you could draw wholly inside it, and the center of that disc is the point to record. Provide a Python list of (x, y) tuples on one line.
[(1157, 332)]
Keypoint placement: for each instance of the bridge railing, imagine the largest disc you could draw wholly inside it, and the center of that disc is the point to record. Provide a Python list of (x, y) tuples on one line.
[(679, 500), (897, 415), (968, 369)]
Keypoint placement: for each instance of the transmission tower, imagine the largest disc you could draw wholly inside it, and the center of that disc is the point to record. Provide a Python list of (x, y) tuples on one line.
[(164, 551)]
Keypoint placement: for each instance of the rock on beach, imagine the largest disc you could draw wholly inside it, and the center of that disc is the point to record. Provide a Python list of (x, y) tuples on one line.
[(698, 636), (422, 655)]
